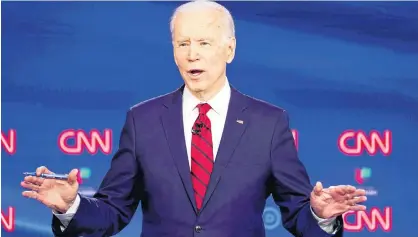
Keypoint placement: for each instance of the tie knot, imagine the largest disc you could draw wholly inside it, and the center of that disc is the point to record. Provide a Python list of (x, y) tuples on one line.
[(203, 108)]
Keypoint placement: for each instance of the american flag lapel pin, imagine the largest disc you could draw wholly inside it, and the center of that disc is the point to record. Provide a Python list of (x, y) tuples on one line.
[(240, 121)]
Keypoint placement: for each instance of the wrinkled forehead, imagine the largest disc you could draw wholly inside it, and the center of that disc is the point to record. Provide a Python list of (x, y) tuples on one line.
[(198, 25)]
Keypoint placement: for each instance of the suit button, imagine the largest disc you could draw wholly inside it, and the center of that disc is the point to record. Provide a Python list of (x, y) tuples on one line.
[(198, 228)]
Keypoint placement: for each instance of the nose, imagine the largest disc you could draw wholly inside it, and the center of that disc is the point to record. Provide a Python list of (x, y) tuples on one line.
[(193, 53)]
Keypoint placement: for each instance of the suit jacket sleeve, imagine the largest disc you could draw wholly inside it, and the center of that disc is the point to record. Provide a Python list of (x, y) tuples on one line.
[(117, 199), (290, 184)]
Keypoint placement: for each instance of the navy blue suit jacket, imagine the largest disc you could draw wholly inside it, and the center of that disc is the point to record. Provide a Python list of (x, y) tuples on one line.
[(256, 159)]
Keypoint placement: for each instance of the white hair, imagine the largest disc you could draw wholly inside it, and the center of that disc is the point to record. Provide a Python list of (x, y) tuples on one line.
[(202, 5)]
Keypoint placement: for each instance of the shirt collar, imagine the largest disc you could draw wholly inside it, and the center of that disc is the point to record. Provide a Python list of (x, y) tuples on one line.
[(219, 102)]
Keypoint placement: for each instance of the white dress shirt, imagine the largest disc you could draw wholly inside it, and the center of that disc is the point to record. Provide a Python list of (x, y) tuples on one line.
[(217, 115)]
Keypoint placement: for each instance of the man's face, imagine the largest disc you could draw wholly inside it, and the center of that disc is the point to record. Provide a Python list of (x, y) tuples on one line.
[(201, 50)]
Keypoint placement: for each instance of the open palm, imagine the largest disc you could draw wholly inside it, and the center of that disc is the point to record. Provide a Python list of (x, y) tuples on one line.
[(55, 194), (336, 200)]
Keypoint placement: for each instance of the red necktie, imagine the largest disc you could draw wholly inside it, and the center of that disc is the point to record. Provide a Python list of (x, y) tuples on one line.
[(201, 154)]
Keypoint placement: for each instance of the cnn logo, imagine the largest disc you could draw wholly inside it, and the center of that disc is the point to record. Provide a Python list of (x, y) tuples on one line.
[(8, 220), (372, 219), (372, 143), (8, 141), (296, 137), (92, 142)]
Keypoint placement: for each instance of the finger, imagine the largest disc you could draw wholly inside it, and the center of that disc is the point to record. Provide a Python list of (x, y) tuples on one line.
[(35, 180), (357, 208), (338, 193), (30, 186), (73, 176), (356, 200), (344, 189), (359, 192), (356, 194), (359, 199), (32, 195), (318, 188), (42, 170), (349, 189)]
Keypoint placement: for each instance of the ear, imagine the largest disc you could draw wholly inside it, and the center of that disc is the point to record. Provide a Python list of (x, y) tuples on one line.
[(232, 44), (174, 52)]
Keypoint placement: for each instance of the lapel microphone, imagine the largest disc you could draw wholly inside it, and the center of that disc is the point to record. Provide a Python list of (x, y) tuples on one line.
[(197, 129)]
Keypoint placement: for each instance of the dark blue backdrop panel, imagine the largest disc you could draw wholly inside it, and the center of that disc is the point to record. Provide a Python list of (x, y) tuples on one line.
[(334, 66)]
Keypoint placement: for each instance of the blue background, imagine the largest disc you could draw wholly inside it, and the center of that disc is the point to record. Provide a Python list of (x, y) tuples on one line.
[(332, 65)]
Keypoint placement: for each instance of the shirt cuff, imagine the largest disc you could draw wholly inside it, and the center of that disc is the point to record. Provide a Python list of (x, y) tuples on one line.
[(328, 225), (65, 218)]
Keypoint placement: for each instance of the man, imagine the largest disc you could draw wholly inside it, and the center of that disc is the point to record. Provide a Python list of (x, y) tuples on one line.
[(201, 160)]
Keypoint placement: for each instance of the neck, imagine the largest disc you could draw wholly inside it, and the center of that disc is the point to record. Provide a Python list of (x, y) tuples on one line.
[(208, 94)]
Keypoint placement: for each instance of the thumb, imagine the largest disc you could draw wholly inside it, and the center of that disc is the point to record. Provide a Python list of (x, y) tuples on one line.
[(318, 188), (74, 176)]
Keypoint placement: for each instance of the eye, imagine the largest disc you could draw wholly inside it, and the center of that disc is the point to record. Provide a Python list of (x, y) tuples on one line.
[(204, 43), (183, 44)]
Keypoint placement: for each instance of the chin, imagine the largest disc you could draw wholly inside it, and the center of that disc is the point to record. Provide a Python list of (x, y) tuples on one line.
[(197, 89), (197, 86)]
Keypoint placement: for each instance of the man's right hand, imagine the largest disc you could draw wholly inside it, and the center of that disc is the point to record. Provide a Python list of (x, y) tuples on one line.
[(58, 195)]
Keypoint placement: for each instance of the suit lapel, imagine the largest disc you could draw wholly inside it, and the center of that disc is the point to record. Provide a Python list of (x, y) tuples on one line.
[(235, 125), (172, 121)]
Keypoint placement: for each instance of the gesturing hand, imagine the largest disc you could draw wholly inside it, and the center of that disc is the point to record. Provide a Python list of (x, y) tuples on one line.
[(55, 194), (336, 200)]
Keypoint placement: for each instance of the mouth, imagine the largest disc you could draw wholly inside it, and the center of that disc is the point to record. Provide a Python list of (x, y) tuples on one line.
[(195, 72)]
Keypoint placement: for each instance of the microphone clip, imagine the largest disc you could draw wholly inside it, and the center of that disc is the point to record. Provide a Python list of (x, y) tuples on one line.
[(196, 131)]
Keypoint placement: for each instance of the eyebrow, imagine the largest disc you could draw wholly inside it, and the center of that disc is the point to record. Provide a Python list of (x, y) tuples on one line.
[(206, 39), (199, 40)]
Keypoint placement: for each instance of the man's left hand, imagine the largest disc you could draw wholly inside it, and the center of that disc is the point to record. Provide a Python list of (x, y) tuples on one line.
[(336, 200)]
